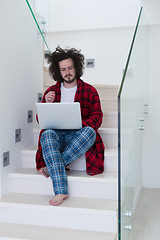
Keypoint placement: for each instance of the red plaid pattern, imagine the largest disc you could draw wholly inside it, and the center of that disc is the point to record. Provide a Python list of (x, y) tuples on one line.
[(91, 116)]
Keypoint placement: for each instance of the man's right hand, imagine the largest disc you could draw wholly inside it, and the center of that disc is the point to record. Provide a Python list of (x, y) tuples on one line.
[(49, 97)]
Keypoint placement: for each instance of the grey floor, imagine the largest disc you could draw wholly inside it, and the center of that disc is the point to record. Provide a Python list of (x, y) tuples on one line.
[(146, 220)]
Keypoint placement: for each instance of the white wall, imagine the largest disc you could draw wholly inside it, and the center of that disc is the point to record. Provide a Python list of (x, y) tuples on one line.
[(152, 9), (91, 14), (102, 29), (150, 159), (109, 47), (21, 69), (151, 142)]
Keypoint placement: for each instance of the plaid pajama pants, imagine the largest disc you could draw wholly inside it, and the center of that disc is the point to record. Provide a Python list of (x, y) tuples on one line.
[(60, 148)]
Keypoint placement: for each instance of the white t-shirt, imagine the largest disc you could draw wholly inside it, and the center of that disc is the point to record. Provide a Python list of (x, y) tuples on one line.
[(68, 94)]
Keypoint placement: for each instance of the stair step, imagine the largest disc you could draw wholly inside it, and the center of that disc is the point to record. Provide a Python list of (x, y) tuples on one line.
[(107, 90), (109, 136), (80, 184), (110, 161), (91, 210), (10, 231), (75, 213), (110, 119), (109, 103)]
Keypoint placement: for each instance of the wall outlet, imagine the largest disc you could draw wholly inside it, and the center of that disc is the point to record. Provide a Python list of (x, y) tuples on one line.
[(39, 100), (90, 63), (30, 116), (5, 159), (17, 135)]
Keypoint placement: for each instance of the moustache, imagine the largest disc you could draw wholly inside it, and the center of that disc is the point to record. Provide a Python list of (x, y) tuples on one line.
[(68, 75)]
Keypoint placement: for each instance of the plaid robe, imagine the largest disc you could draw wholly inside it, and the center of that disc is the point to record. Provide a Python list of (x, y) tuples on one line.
[(91, 116)]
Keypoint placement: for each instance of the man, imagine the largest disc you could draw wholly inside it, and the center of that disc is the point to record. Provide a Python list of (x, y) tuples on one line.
[(58, 148)]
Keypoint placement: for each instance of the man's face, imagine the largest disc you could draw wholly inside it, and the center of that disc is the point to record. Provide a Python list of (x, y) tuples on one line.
[(67, 70)]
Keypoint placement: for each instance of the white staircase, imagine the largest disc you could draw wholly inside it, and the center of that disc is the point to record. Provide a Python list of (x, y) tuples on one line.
[(91, 210)]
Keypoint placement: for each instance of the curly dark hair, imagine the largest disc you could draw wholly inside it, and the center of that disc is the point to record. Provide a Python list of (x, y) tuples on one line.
[(61, 54)]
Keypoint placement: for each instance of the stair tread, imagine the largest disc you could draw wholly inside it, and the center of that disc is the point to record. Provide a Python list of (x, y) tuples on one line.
[(75, 204), (20, 231), (105, 86), (72, 175), (106, 113), (37, 129), (109, 98), (108, 130), (100, 130), (108, 151)]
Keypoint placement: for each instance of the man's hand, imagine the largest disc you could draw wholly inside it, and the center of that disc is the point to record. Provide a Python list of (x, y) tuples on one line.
[(49, 97)]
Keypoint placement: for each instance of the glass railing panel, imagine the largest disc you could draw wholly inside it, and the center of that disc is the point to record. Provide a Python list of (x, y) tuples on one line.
[(132, 106), (40, 21)]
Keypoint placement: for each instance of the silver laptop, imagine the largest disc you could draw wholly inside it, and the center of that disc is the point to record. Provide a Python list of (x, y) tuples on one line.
[(59, 115)]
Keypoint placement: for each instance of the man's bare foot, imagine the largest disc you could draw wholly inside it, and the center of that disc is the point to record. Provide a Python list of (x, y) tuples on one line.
[(58, 199), (44, 172)]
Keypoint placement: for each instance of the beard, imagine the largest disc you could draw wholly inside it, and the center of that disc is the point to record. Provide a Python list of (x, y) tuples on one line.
[(69, 80)]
